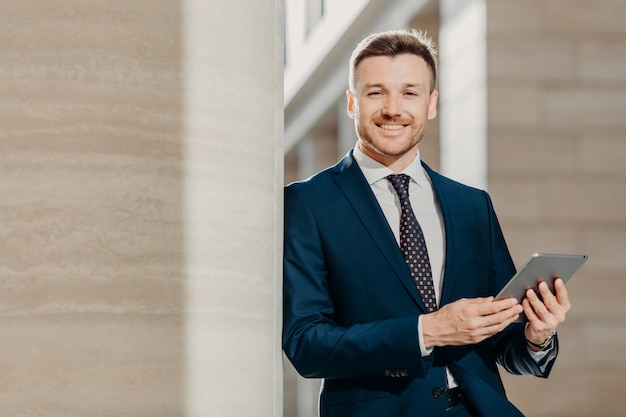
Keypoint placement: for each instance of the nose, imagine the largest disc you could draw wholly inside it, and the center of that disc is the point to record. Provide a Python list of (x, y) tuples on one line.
[(392, 106)]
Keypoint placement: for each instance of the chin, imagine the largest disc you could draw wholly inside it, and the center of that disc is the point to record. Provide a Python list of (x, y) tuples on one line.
[(397, 149)]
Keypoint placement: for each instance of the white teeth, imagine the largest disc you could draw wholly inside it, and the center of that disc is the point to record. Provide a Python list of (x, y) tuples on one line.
[(391, 127)]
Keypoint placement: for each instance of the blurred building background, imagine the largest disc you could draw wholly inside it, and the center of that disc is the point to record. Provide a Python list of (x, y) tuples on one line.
[(532, 108)]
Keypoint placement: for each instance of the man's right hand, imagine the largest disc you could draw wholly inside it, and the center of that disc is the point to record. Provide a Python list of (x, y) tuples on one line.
[(468, 321)]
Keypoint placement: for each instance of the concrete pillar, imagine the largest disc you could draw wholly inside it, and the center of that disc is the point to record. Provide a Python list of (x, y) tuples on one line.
[(233, 207), (463, 91), (428, 20), (140, 225)]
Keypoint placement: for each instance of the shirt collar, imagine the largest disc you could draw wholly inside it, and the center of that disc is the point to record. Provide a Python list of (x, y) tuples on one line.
[(374, 171)]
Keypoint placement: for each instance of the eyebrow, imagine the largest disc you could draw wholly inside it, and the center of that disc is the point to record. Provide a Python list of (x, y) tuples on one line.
[(405, 85)]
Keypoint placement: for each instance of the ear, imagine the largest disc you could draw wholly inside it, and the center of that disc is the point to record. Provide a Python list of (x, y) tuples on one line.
[(351, 104), (432, 105)]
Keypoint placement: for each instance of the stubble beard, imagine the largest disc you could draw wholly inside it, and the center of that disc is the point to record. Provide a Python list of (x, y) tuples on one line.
[(379, 147)]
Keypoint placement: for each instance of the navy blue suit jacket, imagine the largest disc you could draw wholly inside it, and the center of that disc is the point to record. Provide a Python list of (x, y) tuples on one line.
[(351, 306)]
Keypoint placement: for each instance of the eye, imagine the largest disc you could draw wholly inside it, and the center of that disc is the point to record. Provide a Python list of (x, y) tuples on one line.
[(375, 93), (411, 93)]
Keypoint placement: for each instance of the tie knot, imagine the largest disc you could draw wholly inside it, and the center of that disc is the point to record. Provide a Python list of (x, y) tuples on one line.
[(400, 183)]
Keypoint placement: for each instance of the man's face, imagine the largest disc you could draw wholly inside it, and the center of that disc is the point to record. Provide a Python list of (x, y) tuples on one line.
[(391, 105)]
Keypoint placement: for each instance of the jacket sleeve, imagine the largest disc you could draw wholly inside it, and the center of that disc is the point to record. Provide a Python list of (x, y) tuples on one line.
[(312, 339), (513, 354), (510, 345)]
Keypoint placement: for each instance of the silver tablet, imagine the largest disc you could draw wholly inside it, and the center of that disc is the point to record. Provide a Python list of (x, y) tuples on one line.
[(541, 267)]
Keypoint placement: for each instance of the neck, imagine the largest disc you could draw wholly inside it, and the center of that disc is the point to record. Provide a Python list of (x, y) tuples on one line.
[(396, 163)]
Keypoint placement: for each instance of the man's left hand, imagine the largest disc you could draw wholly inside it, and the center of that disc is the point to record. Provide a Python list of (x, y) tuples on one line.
[(546, 313)]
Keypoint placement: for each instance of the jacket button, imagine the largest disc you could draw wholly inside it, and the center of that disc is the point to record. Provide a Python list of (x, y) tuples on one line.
[(437, 392)]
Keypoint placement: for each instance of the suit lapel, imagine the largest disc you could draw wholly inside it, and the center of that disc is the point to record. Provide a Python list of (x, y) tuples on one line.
[(354, 186), (446, 200)]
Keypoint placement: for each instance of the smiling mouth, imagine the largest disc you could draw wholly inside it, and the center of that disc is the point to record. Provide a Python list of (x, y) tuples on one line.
[(390, 126)]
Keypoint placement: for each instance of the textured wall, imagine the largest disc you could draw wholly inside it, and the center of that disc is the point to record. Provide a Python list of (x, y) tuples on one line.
[(121, 290), (557, 173)]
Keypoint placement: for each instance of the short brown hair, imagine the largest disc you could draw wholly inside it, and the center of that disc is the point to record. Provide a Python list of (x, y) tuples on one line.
[(392, 43)]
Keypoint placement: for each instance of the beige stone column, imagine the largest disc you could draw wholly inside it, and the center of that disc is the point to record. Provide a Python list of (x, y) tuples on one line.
[(233, 207), (140, 218), (463, 91)]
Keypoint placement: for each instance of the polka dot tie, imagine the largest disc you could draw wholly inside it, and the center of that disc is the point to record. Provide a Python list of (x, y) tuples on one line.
[(412, 243)]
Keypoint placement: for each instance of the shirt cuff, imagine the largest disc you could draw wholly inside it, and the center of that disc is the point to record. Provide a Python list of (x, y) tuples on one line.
[(543, 357), (538, 356), (420, 338)]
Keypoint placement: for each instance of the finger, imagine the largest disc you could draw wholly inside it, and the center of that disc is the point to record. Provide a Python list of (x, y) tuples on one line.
[(548, 311), (478, 300), (482, 327), (502, 320), (562, 295), (536, 304), (498, 306), (555, 306), (504, 317), (508, 316), (473, 306), (529, 311), (548, 298), (544, 290)]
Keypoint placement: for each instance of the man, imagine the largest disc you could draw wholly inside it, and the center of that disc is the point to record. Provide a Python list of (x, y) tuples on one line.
[(390, 268)]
